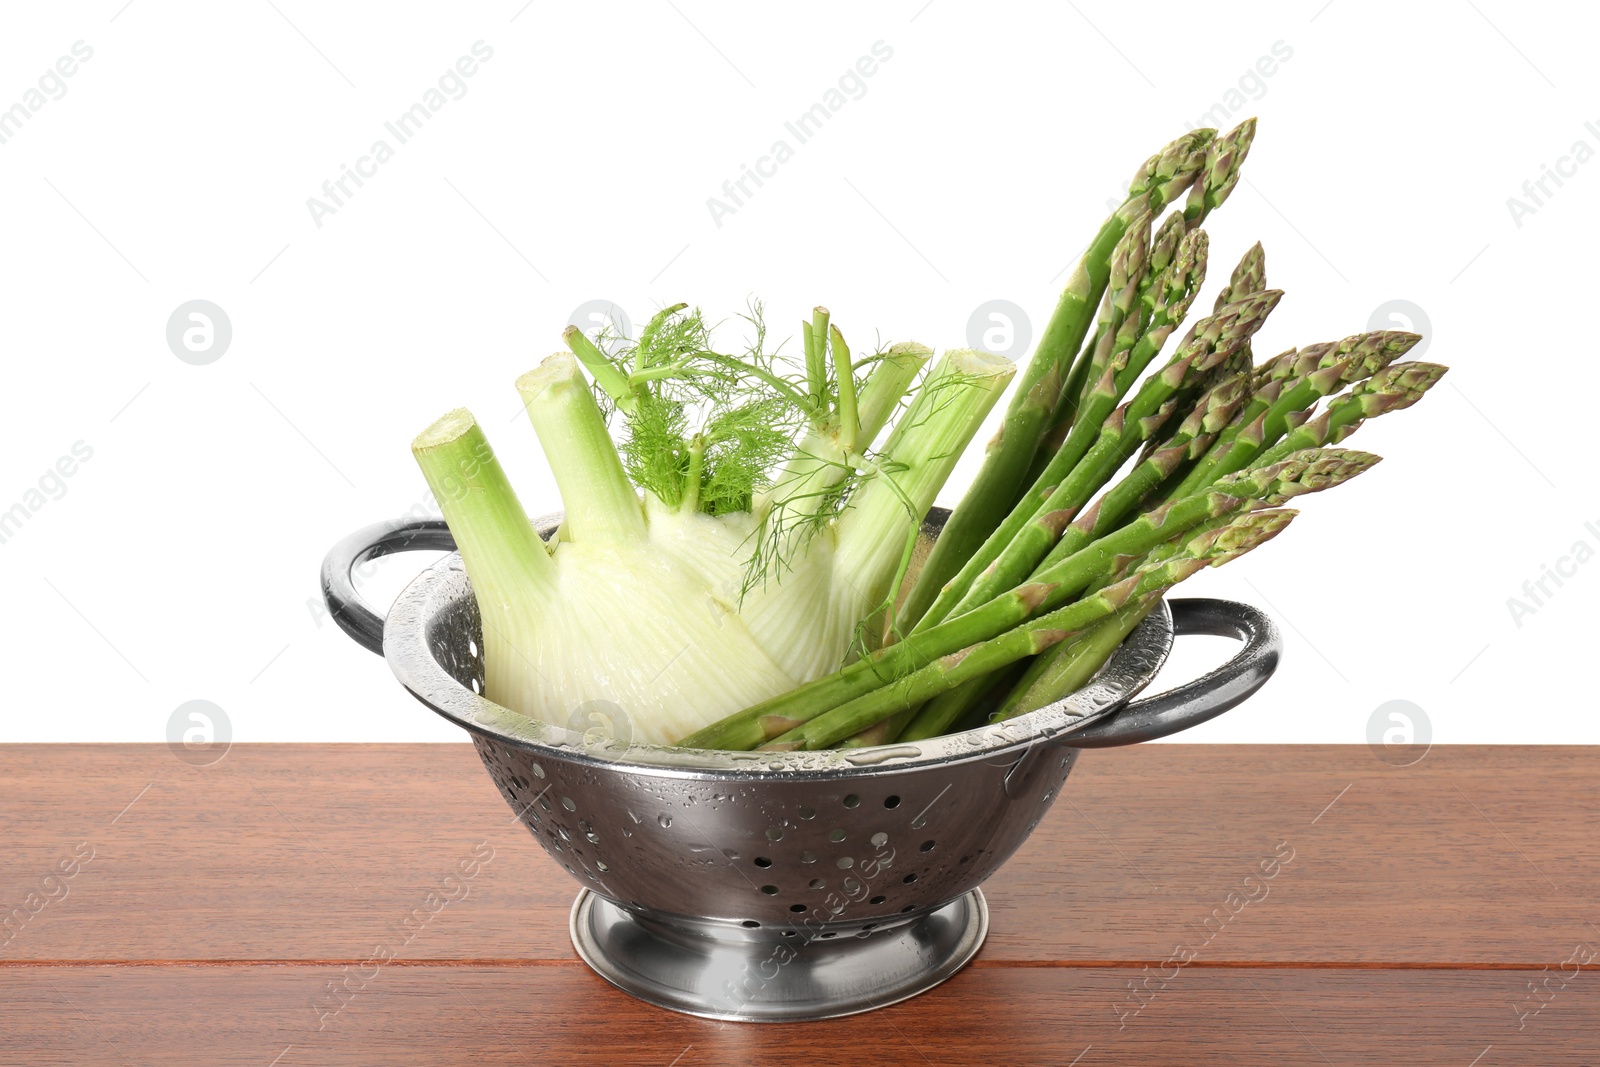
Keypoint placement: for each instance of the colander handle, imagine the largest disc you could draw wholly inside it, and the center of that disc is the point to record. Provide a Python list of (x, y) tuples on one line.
[(1206, 697), (345, 604)]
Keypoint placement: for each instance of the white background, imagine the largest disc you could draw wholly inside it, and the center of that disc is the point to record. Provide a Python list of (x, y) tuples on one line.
[(180, 562)]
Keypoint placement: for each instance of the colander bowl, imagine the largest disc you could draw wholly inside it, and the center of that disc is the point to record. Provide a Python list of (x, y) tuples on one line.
[(778, 886)]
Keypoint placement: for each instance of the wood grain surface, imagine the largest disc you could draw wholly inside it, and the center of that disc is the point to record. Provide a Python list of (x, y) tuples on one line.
[(206, 909)]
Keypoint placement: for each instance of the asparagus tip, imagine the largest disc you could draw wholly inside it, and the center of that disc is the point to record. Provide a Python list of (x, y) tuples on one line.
[(1249, 534)]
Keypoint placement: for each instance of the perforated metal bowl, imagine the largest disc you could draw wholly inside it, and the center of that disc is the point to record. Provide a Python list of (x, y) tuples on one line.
[(778, 886)]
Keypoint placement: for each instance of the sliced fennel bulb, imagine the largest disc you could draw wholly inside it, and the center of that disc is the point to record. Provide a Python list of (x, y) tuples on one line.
[(647, 609)]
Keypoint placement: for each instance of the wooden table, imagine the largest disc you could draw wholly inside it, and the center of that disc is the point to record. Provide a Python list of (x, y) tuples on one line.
[(288, 906)]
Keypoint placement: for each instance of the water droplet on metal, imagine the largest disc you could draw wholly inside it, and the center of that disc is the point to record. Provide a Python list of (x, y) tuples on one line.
[(870, 756)]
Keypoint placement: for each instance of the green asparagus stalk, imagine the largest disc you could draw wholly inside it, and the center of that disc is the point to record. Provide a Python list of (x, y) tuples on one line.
[(1210, 343), (1049, 588), (993, 491), (1197, 431), (1210, 415), (1394, 388), (1070, 665), (939, 714), (1250, 276), (1121, 370), (1029, 639), (1128, 355), (1290, 383), (1086, 370), (1132, 272), (1224, 157), (969, 665)]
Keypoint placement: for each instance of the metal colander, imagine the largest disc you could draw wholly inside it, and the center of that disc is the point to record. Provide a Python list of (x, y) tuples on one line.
[(778, 886)]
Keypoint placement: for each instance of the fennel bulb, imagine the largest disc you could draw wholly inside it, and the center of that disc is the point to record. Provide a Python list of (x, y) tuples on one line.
[(743, 539)]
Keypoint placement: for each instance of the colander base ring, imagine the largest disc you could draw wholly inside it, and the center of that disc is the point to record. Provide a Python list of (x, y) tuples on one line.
[(788, 979)]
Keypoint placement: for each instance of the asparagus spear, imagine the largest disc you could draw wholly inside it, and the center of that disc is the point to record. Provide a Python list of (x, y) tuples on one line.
[(1138, 266), (1085, 371), (945, 711), (1070, 665), (1145, 585), (1128, 354), (1162, 178), (1212, 412), (1047, 680), (1224, 157), (1121, 370), (1199, 428), (1289, 383), (1210, 343), (1049, 588), (1394, 388), (1250, 276)]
